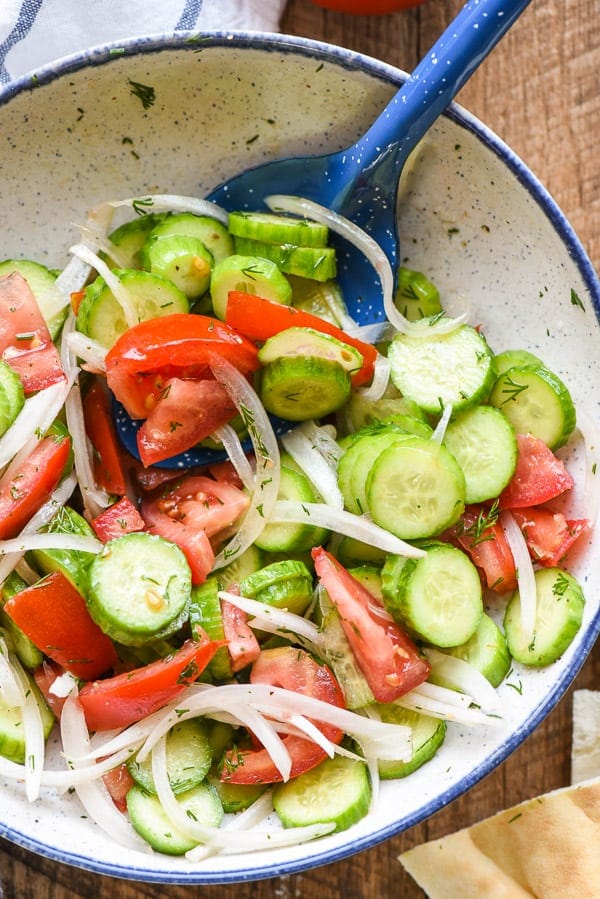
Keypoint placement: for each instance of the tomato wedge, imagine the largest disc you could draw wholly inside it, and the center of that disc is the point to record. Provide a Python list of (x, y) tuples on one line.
[(171, 346), (242, 645), (293, 669), (185, 413), (121, 700), (539, 476), (481, 536), (109, 471), (25, 342), (31, 485), (549, 535), (120, 518), (260, 319), (387, 656), (55, 617)]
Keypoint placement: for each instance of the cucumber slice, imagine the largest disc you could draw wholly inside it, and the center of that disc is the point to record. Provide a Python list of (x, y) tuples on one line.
[(310, 342), (416, 297), (515, 359), (205, 612), (213, 234), (247, 274), (12, 732), (101, 317), (435, 371), (277, 229), (74, 564), (415, 489), (247, 562), (182, 260), (486, 650), (322, 298), (362, 411), (301, 387), (370, 577), (293, 537), (26, 651), (351, 552), (129, 238), (428, 734), (337, 790), (41, 283), (318, 263), (537, 402), (339, 656), (437, 598), (148, 817), (284, 585), (236, 797), (560, 604), (12, 396), (139, 588), (189, 758), (358, 460), (484, 444)]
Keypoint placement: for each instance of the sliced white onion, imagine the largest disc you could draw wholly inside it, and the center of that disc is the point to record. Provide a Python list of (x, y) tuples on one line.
[(43, 516), (342, 522), (248, 818), (72, 278), (373, 252), (266, 452), (236, 453), (171, 203), (440, 429), (33, 730), (63, 685), (323, 438), (11, 689), (459, 674), (113, 282), (590, 432), (50, 540), (421, 701), (34, 419), (525, 573), (88, 349), (444, 694), (273, 620), (93, 794), (381, 378), (319, 472)]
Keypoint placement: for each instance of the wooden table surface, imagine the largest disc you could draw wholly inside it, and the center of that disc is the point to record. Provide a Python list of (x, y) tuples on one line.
[(540, 92)]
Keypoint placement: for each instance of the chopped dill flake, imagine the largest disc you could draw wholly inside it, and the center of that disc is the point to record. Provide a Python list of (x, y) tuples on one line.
[(143, 92)]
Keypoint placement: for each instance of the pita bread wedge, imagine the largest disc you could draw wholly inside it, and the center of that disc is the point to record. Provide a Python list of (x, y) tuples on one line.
[(585, 747), (548, 848)]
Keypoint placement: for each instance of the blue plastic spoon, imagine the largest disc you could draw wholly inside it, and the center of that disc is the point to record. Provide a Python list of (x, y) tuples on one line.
[(361, 181)]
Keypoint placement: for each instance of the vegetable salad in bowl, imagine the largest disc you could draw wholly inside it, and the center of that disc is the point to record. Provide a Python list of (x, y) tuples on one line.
[(257, 557)]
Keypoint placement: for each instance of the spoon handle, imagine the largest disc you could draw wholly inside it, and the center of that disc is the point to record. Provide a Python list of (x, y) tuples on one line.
[(435, 82)]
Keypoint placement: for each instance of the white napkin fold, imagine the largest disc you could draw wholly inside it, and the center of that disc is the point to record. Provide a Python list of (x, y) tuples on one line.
[(36, 32)]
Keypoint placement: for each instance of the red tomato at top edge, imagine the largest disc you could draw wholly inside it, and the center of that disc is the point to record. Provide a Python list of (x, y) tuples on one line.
[(172, 346), (293, 669), (367, 7)]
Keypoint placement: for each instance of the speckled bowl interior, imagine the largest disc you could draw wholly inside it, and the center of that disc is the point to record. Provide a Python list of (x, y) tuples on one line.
[(471, 215)]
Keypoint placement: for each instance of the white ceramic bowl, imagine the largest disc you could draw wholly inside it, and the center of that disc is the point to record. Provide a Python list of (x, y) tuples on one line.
[(472, 216)]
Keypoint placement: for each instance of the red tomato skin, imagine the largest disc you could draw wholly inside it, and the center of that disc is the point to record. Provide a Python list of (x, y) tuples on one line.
[(260, 319), (35, 360), (32, 484), (539, 476), (489, 550), (109, 470), (179, 344), (118, 782), (126, 698), (120, 518), (386, 655), (186, 412), (293, 669), (367, 7), (549, 535), (242, 645), (44, 676), (55, 617)]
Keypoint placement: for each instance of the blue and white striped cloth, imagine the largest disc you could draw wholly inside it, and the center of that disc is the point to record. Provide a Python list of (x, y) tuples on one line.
[(36, 32)]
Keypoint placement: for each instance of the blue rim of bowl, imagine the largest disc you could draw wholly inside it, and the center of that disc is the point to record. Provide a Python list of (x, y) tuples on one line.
[(350, 60)]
